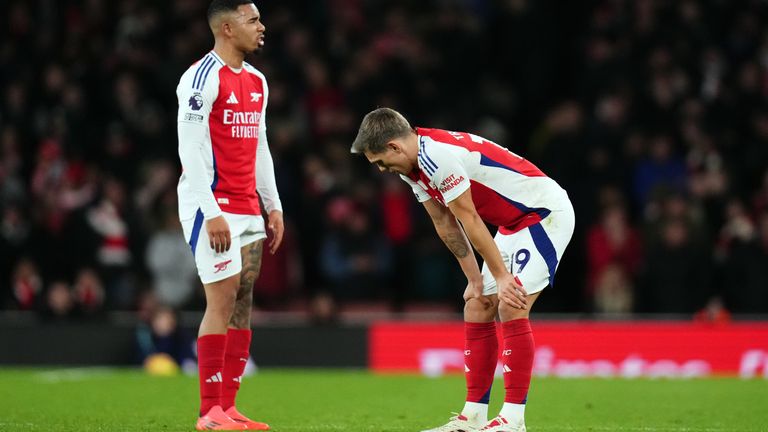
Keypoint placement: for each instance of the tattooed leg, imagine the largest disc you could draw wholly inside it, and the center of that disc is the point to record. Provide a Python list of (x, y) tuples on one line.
[(251, 253)]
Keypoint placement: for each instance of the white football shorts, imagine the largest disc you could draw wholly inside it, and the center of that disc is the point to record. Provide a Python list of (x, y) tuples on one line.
[(212, 266), (533, 254)]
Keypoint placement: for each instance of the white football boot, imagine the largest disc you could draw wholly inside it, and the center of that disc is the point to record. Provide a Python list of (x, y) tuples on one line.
[(459, 423), (500, 424)]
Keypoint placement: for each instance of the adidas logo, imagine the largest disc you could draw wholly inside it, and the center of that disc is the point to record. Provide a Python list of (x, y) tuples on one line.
[(232, 99), (214, 378), (238, 379), (506, 369), (466, 368)]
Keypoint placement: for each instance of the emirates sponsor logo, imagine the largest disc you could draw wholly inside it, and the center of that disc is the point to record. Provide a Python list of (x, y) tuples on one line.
[(232, 117), (244, 124)]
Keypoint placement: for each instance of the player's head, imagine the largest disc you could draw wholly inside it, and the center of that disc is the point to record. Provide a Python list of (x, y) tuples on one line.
[(383, 139), (237, 22)]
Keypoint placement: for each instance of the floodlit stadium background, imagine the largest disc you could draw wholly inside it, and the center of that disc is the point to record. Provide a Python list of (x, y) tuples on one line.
[(651, 114)]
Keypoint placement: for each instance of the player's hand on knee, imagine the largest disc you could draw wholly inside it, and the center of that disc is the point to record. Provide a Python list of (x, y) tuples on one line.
[(511, 291), (474, 289), (219, 235)]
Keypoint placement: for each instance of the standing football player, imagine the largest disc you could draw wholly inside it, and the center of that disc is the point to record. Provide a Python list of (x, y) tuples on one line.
[(465, 181), (226, 167)]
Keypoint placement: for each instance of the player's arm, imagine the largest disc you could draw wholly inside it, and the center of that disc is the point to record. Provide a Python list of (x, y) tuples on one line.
[(192, 126), (464, 209), (266, 185), (449, 230)]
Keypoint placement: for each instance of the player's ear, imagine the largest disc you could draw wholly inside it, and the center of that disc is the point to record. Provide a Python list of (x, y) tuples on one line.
[(394, 146), (226, 28)]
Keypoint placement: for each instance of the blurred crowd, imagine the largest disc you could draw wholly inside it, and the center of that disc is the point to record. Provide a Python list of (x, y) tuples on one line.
[(652, 114)]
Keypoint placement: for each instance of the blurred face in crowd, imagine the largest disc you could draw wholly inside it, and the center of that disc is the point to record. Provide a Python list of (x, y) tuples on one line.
[(393, 159), (244, 28)]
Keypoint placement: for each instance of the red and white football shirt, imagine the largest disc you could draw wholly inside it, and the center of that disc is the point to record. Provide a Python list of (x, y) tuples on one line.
[(222, 141), (507, 190)]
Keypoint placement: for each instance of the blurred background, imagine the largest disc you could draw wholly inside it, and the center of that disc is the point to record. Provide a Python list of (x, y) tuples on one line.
[(652, 114)]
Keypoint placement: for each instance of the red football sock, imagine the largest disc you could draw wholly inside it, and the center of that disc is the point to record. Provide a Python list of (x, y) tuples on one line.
[(481, 351), (210, 363), (235, 359), (517, 358)]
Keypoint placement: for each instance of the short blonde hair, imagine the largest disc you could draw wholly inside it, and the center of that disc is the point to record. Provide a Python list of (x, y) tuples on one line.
[(379, 127)]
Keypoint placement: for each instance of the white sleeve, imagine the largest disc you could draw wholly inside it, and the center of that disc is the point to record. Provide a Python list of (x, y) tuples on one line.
[(446, 171), (192, 122), (265, 168), (421, 194)]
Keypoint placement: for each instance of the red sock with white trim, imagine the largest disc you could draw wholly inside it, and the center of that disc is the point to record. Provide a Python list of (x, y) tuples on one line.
[(481, 352), (235, 359), (210, 363), (517, 360)]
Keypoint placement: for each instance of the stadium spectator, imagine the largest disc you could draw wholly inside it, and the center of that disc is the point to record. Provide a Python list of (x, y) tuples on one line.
[(398, 227), (111, 239), (89, 292), (677, 276), (613, 291), (356, 259), (614, 256), (659, 172), (27, 285), (742, 273), (162, 334), (167, 258), (14, 237), (60, 303)]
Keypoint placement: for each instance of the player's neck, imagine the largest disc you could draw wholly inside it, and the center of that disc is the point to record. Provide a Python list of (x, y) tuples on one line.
[(231, 56), (411, 147)]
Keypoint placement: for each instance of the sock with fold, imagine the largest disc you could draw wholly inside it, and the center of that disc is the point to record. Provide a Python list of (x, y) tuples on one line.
[(235, 359), (210, 364)]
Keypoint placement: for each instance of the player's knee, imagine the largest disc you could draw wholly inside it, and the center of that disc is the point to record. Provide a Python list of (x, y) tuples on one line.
[(221, 297), (480, 309), (508, 312)]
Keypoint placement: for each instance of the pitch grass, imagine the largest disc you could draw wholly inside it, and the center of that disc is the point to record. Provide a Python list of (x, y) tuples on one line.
[(332, 400)]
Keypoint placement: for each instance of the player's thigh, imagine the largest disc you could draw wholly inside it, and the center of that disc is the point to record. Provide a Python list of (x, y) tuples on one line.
[(252, 241), (213, 266), (533, 254), (508, 312), (558, 227), (515, 251), (253, 229)]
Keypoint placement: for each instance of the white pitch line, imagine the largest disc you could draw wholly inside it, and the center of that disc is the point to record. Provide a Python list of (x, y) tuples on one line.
[(73, 374)]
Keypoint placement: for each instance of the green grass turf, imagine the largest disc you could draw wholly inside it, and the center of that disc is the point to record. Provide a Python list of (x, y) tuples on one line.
[(330, 400)]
